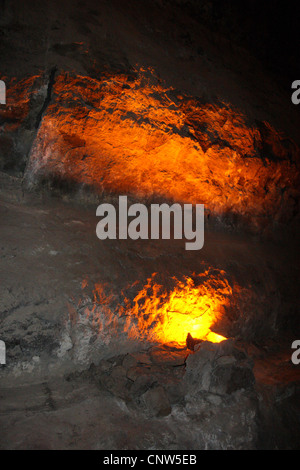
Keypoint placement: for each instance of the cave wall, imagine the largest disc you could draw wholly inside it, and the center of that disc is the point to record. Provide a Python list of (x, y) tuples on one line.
[(217, 126)]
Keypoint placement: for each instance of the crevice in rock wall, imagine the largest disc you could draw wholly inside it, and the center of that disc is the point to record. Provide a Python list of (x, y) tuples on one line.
[(25, 98), (48, 97)]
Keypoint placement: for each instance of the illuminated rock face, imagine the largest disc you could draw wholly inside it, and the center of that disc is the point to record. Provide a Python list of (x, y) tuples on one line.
[(194, 306), (129, 134), (106, 120)]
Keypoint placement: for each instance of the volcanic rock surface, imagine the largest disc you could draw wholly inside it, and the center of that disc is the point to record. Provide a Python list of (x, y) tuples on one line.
[(151, 104), (75, 379), (165, 101)]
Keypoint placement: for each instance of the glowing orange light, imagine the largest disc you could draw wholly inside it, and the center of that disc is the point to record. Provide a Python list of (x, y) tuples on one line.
[(168, 317), (193, 305), (132, 135)]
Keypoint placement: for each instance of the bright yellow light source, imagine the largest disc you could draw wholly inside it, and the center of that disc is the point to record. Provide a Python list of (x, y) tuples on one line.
[(169, 317)]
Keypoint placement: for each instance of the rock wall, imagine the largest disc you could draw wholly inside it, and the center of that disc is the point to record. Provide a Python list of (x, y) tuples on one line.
[(148, 101)]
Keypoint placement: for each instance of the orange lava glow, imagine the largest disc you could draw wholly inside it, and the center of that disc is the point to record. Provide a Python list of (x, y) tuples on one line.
[(193, 305), (132, 135)]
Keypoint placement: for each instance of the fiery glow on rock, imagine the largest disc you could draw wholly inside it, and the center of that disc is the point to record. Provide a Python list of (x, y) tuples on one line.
[(133, 135), (20, 93), (156, 314), (192, 306)]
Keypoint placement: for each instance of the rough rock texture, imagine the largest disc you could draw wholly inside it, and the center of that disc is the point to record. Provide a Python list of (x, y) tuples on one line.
[(218, 369), (72, 380), (101, 91), (20, 119), (128, 134), (73, 299), (227, 409), (160, 401), (163, 100)]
